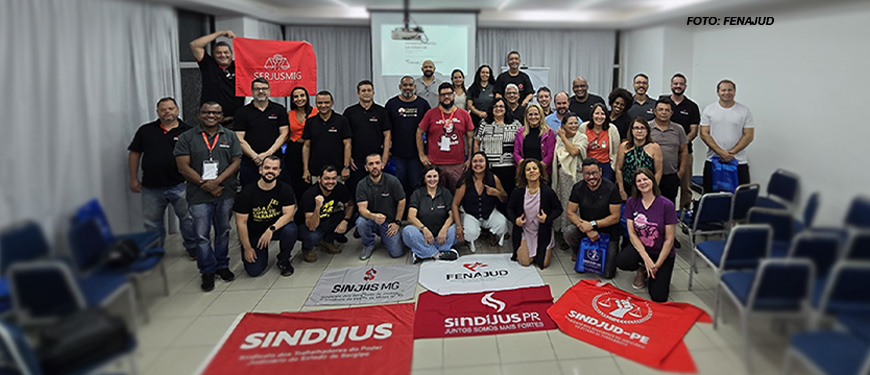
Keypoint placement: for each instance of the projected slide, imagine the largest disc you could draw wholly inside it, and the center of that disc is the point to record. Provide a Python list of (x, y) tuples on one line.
[(446, 45)]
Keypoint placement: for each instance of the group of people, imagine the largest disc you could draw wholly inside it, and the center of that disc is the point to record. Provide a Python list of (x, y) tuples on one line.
[(494, 158)]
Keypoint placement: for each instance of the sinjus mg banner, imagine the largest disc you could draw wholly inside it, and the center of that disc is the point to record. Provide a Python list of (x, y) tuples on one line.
[(285, 64), (364, 285)]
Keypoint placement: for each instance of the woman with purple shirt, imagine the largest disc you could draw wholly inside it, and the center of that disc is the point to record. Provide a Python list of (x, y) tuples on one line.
[(652, 222)]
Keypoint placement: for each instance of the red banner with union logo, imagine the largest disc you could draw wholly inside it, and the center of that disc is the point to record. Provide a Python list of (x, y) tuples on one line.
[(362, 340), (284, 64), (488, 313), (646, 332)]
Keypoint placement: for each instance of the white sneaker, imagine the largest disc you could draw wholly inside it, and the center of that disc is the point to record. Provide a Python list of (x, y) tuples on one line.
[(366, 253)]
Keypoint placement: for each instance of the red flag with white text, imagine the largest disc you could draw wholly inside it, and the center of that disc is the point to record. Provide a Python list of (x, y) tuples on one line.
[(285, 64), (643, 331)]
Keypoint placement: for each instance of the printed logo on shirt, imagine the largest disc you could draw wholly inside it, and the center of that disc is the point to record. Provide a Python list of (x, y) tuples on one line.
[(224, 145), (332, 129), (441, 206), (684, 112), (373, 119), (273, 117), (407, 112), (520, 86), (646, 230), (385, 194)]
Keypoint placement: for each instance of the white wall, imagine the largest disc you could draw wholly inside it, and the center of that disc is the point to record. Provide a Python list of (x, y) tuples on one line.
[(801, 77)]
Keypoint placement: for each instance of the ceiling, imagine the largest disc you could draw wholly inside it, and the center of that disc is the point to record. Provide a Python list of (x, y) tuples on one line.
[(611, 14)]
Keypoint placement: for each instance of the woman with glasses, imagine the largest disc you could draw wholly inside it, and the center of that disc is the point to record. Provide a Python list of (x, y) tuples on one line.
[(494, 136), (620, 101), (638, 151)]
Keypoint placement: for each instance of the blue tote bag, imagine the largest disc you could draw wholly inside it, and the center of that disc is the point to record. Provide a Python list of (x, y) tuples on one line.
[(724, 175), (592, 255)]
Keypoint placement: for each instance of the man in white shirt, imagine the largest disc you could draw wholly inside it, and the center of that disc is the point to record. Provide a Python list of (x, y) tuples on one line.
[(727, 128)]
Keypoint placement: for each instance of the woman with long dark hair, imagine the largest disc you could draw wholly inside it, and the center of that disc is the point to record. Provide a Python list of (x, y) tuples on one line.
[(603, 139), (458, 79), (638, 151), (620, 101), (480, 94), (300, 110), (431, 232), (478, 193), (532, 208)]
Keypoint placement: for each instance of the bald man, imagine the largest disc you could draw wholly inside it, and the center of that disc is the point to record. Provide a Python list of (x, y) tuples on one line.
[(427, 85), (582, 101)]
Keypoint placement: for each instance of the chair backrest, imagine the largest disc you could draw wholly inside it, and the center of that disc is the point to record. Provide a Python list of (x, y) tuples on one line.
[(779, 220), (858, 215), (93, 210), (746, 246), (44, 290), (744, 198), (846, 291), (22, 242), (88, 246), (18, 350), (823, 249), (714, 208), (812, 206), (782, 284), (858, 245), (784, 185)]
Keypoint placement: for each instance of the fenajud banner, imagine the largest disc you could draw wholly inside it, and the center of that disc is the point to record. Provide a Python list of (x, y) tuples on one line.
[(361, 340), (285, 64), (643, 331), (477, 273)]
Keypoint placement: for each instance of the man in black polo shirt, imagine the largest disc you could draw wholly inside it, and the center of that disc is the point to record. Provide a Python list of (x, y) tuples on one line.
[(218, 74), (328, 210), (370, 125), (593, 208), (326, 135), (582, 101), (208, 156), (643, 105), (161, 183), (406, 110), (381, 202), (262, 127), (263, 209), (687, 114), (515, 76)]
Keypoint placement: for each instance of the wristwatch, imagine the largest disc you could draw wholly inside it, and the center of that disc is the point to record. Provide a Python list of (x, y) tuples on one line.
[(594, 224), (397, 222), (345, 219), (347, 166), (272, 228)]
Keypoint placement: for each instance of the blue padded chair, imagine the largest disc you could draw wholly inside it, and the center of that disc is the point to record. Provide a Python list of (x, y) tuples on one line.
[(858, 215), (45, 290), (18, 243), (745, 197), (712, 217), (779, 287), (845, 292), (783, 191), (829, 352), (746, 246), (858, 245), (823, 249), (696, 183), (782, 224), (93, 210), (857, 323), (809, 214)]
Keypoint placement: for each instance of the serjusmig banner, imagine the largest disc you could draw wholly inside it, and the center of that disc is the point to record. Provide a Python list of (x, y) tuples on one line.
[(284, 64)]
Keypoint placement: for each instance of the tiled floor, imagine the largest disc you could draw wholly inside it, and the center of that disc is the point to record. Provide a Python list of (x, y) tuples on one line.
[(185, 326)]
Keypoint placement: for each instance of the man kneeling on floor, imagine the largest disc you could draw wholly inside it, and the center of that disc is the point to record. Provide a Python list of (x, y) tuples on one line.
[(328, 209), (380, 199), (262, 209)]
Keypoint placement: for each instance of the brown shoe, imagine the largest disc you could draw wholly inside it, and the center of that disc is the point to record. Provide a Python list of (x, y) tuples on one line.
[(309, 256), (639, 279), (329, 247)]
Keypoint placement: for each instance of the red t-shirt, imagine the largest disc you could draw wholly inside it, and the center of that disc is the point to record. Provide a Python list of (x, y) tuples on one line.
[(598, 148), (453, 133)]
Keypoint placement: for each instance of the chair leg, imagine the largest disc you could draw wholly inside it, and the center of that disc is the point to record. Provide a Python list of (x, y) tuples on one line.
[(691, 266), (133, 307), (165, 278), (716, 307), (746, 342)]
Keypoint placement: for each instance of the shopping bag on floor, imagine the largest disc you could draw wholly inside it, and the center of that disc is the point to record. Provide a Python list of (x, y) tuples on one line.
[(592, 255), (724, 175)]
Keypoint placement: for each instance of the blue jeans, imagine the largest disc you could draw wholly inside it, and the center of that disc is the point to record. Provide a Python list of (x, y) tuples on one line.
[(324, 232), (367, 229), (408, 172), (154, 202), (287, 236), (414, 239), (205, 216)]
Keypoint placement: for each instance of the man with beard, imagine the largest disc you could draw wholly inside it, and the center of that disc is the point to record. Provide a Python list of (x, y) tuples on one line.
[(218, 74), (450, 134), (208, 156), (381, 202), (687, 114), (328, 209), (427, 85), (405, 111), (262, 127), (370, 126), (262, 209), (554, 120), (327, 139), (643, 105), (543, 98), (161, 183), (518, 78), (582, 101), (593, 208)]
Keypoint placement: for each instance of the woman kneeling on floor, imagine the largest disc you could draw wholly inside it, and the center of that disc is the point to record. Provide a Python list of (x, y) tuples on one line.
[(652, 222), (532, 208), (431, 232)]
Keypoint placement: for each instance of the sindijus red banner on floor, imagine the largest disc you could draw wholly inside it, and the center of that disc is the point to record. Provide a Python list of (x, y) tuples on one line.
[(362, 340), (646, 332), (285, 64), (490, 313)]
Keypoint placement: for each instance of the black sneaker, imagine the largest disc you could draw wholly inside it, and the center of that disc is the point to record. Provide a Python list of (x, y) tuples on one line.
[(341, 238), (286, 268), (449, 255), (226, 274), (415, 259), (356, 233), (207, 282)]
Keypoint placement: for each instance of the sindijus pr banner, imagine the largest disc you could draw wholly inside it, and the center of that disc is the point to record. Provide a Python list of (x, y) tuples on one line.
[(360, 340), (490, 313), (285, 64), (643, 331), (364, 285), (477, 273)]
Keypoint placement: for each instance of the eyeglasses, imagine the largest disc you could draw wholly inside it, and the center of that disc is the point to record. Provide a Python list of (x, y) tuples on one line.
[(641, 128), (446, 93), (591, 174), (260, 89), (213, 113)]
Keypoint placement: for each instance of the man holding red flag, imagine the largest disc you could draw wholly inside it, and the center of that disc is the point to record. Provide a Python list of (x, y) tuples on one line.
[(218, 74)]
